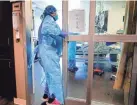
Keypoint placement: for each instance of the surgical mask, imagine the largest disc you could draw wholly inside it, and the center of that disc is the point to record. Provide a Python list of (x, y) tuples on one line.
[(56, 17)]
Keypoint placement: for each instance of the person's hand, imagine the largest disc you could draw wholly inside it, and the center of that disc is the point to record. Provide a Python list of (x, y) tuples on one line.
[(64, 34), (73, 33)]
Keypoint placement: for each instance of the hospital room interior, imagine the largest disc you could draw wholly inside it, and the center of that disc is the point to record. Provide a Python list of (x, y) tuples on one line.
[(108, 56)]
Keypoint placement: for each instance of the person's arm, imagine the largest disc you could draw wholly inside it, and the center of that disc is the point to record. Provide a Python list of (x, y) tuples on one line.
[(52, 28), (63, 34)]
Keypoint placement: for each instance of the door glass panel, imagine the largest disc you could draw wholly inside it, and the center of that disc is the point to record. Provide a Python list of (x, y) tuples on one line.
[(111, 17), (79, 8), (112, 77), (77, 57)]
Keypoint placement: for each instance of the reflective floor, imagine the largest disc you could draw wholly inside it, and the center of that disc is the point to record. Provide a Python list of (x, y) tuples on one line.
[(103, 93)]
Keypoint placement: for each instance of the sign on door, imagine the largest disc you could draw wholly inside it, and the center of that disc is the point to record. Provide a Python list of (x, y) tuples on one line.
[(77, 21)]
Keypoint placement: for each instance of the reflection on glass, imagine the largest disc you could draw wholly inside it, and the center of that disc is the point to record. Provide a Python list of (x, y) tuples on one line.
[(110, 17), (82, 17), (111, 85), (77, 67)]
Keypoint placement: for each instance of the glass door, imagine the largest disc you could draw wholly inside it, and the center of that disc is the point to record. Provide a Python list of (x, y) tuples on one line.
[(78, 51), (78, 18), (104, 23)]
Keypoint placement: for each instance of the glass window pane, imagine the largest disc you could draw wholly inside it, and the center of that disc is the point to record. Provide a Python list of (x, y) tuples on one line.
[(79, 5), (111, 17), (112, 77), (77, 69)]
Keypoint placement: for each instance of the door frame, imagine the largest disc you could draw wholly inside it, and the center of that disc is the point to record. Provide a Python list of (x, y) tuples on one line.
[(90, 38), (24, 88)]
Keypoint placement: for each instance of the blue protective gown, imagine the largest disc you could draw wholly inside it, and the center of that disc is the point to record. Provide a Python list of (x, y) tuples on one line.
[(59, 45), (72, 55), (49, 33)]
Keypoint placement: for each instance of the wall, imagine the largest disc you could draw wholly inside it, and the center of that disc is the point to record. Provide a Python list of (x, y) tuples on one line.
[(115, 16)]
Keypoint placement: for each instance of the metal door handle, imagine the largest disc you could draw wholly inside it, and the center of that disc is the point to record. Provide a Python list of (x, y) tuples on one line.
[(8, 41), (9, 64)]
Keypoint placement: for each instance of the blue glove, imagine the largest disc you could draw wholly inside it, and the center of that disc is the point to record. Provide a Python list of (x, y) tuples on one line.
[(65, 34), (72, 33)]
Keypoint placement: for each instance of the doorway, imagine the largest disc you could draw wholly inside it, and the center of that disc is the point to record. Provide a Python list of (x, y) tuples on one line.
[(39, 75), (97, 57), (7, 69)]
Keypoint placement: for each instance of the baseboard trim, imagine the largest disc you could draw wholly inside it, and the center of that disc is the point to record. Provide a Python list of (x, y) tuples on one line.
[(18, 101)]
